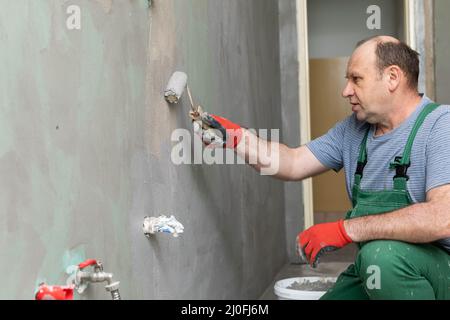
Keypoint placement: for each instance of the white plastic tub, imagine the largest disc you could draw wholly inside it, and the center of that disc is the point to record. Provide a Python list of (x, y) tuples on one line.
[(283, 293)]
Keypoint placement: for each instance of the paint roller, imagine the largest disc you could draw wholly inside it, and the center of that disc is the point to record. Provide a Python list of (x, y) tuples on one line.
[(172, 94), (174, 91), (175, 88)]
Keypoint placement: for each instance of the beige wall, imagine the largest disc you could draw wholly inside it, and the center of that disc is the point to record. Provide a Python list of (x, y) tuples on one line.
[(327, 108)]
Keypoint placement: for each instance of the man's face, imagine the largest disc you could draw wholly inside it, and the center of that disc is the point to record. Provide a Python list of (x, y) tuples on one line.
[(366, 89)]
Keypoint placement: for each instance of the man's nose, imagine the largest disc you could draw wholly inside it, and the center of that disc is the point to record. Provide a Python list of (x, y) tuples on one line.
[(348, 90)]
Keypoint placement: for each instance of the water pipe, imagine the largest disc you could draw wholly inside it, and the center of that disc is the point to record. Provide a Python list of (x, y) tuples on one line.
[(162, 224), (81, 278)]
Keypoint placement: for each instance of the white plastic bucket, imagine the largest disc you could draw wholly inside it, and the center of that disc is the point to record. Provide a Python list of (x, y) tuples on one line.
[(283, 293)]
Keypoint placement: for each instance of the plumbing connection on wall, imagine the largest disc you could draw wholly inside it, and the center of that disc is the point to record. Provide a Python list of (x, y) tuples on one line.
[(79, 280), (162, 224)]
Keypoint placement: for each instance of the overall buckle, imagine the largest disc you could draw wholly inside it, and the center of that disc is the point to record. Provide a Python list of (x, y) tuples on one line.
[(400, 169), (360, 167)]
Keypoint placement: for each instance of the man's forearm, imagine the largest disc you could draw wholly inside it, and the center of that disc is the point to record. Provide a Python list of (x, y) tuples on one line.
[(265, 155), (418, 223)]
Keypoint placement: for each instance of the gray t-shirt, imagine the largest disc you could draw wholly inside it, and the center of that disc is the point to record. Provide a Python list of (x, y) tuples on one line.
[(430, 154)]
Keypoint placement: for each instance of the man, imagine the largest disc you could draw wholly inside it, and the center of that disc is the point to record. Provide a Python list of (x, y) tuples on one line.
[(395, 150)]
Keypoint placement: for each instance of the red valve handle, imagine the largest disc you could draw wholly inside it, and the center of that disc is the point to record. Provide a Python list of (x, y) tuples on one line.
[(46, 292), (87, 263)]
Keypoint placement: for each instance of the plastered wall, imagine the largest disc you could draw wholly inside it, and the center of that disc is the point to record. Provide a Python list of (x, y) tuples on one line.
[(85, 145)]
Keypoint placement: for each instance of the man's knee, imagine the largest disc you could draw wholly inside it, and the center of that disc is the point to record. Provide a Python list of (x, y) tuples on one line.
[(388, 270), (382, 252), (380, 257)]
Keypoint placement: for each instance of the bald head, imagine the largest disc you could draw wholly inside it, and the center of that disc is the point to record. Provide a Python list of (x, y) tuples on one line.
[(376, 40), (390, 51)]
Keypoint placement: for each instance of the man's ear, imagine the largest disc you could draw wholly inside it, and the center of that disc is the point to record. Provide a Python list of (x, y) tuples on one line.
[(394, 76)]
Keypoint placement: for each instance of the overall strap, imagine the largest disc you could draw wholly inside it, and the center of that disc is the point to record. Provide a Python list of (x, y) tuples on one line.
[(402, 163), (362, 160)]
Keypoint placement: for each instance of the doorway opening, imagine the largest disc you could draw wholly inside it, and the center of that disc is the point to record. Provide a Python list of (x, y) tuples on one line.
[(334, 28)]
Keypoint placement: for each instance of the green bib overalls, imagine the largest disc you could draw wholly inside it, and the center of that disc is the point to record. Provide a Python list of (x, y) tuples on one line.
[(387, 269)]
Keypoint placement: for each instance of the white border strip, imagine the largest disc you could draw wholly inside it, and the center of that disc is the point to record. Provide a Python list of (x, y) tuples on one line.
[(304, 101), (409, 13)]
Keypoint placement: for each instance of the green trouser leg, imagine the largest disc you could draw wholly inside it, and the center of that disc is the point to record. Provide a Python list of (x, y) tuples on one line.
[(348, 287), (394, 270)]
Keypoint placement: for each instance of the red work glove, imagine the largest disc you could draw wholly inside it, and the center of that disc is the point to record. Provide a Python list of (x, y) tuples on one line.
[(326, 237), (233, 131), (216, 131)]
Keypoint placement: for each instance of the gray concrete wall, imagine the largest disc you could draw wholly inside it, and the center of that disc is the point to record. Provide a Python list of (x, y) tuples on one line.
[(336, 26), (442, 49), (85, 146)]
